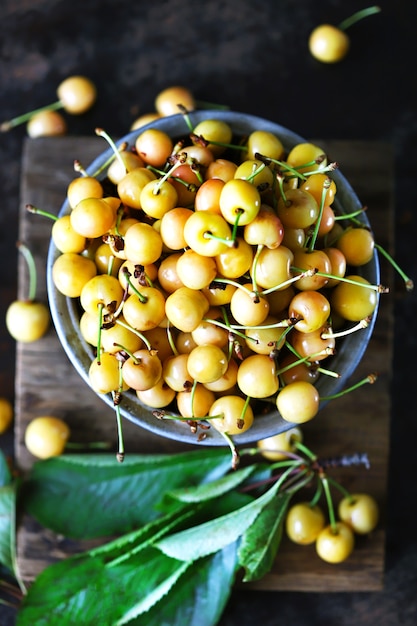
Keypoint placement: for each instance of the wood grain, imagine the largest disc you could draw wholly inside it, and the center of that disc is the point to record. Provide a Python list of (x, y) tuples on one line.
[(47, 383)]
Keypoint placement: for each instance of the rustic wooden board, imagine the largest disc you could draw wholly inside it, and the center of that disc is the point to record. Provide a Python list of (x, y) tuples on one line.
[(47, 383)]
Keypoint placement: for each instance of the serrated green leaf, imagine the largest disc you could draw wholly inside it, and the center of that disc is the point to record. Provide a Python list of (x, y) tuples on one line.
[(127, 575), (214, 489), (199, 596), (115, 497), (259, 544), (209, 537), (7, 526)]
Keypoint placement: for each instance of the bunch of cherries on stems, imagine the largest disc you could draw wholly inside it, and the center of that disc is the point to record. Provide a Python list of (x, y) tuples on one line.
[(214, 278)]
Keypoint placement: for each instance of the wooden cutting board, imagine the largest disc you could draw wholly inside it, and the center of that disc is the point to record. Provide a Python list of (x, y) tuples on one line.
[(46, 382)]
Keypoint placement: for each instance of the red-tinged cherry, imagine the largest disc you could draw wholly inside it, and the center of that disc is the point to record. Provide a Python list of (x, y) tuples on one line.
[(280, 446), (142, 370), (28, 319), (314, 346), (6, 414), (311, 308), (257, 376), (338, 265), (154, 146), (47, 124), (298, 402), (168, 277), (330, 44), (222, 169), (209, 333), (46, 436), (335, 543), (207, 197), (186, 180), (172, 227), (76, 94), (194, 270), (315, 184), (265, 229), (236, 415), (304, 522), (354, 300), (173, 100), (360, 511), (70, 272)]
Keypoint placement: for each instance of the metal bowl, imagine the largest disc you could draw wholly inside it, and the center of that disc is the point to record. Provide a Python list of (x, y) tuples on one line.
[(66, 313)]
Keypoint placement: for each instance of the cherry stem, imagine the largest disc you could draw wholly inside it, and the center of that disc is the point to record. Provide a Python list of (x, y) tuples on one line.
[(36, 211), (25, 117), (102, 133), (228, 242), (202, 104), (326, 186), (342, 333), (371, 378), (259, 249), (121, 451), (409, 284), (304, 274), (233, 449), (377, 288), (359, 15), (329, 500), (136, 332), (28, 256), (340, 487), (171, 340), (143, 299), (301, 447), (100, 324), (239, 214)]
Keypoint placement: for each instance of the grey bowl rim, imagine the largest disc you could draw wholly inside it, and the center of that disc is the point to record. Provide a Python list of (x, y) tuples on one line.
[(64, 309)]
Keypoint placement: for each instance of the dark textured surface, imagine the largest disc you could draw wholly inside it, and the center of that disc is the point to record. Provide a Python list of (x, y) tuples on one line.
[(253, 58)]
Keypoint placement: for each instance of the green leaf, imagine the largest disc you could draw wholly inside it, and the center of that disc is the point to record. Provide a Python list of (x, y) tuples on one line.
[(214, 489), (127, 575), (209, 537), (259, 544), (199, 596), (7, 526), (116, 497), (5, 474)]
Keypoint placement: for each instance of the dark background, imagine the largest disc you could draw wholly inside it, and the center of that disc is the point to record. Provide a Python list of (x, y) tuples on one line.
[(254, 58)]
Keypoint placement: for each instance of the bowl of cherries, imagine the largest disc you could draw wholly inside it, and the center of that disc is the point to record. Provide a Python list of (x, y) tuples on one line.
[(213, 276)]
